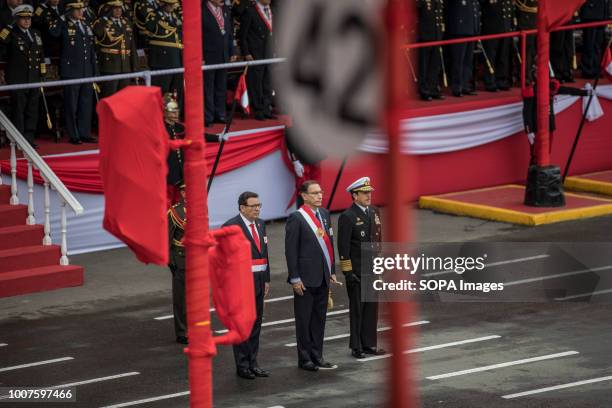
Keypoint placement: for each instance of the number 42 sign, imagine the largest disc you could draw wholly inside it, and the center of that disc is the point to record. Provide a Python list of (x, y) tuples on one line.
[(332, 81)]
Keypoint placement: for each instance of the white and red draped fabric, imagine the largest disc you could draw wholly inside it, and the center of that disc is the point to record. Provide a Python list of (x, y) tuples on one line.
[(266, 15), (217, 13), (320, 233)]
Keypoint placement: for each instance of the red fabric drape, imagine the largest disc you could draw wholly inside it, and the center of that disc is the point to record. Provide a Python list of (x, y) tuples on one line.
[(81, 173), (558, 12)]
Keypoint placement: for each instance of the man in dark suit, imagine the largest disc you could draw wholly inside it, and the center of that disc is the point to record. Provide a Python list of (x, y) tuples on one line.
[(462, 20), (245, 353), (593, 38), (177, 222), (25, 64), (431, 28), (78, 61), (310, 261), (359, 236), (498, 17), (218, 44), (256, 43)]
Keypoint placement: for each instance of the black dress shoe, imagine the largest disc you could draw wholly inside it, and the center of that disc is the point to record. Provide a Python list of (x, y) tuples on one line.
[(208, 124), (457, 94), (258, 372), (469, 92), (75, 141), (89, 140), (438, 96), (245, 373), (270, 116), (325, 365), (260, 116), (373, 351), (570, 80), (308, 366), (503, 88), (357, 353), (182, 340), (219, 120), (491, 89), (426, 98), (34, 145)]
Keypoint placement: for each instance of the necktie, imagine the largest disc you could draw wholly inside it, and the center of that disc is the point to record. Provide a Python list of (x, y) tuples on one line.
[(319, 218), (367, 212), (255, 237), (29, 35), (81, 27)]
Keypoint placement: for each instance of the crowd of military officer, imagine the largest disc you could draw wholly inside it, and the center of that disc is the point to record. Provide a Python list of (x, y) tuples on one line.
[(453, 65)]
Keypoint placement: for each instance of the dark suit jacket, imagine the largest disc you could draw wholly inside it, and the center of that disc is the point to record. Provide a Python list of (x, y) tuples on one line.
[(255, 37), (261, 231), (218, 47), (78, 59), (358, 233), (431, 20), (595, 10), (462, 17), (305, 258), (497, 17), (23, 56)]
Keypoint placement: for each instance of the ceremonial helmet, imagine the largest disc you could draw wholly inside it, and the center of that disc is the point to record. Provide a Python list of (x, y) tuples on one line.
[(170, 103)]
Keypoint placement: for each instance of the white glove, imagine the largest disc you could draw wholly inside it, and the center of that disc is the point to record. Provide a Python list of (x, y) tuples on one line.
[(223, 137), (531, 137), (298, 168)]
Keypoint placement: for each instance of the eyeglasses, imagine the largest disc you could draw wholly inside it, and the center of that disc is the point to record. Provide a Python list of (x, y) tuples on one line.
[(254, 205), (315, 193)]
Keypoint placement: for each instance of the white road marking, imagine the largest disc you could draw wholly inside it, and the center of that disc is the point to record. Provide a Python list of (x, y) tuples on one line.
[(559, 275), (55, 360), (597, 292), (278, 299), (502, 365), (557, 387), (343, 336), (507, 262), (277, 322), (93, 380), (435, 347), (3, 344), (144, 401), (277, 406)]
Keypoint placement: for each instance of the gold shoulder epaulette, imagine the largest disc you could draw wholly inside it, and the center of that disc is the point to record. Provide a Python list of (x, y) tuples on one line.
[(4, 33), (39, 11)]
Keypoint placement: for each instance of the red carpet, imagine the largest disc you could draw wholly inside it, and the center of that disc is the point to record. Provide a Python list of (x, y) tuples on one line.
[(25, 264)]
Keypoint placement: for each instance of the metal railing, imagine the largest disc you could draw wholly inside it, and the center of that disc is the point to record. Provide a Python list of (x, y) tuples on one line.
[(145, 75), (50, 180)]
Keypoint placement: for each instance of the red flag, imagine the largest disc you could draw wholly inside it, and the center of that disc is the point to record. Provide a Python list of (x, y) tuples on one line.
[(558, 12), (606, 64), (241, 95), (133, 152)]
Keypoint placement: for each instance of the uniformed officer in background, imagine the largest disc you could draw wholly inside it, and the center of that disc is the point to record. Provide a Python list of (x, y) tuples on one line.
[(78, 60), (526, 16), (462, 20), (593, 38), (563, 52), (23, 48), (177, 220), (116, 46), (359, 230), (431, 28), (498, 17), (165, 30), (46, 15)]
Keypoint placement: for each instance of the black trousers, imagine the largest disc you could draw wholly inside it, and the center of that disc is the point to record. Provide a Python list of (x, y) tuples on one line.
[(498, 52), (179, 307), (24, 111), (215, 89), (310, 314), (110, 87), (363, 319), (78, 107), (260, 89), (562, 53), (592, 48), (461, 66), (245, 353), (430, 66)]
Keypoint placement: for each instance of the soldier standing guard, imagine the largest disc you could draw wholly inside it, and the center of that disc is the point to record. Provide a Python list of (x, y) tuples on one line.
[(116, 46), (359, 230), (462, 20), (177, 220), (498, 17), (165, 30), (431, 28), (25, 64), (78, 61)]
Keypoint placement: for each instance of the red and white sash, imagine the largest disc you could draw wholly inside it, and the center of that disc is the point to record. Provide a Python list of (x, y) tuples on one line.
[(320, 233), (259, 265), (267, 21), (217, 13)]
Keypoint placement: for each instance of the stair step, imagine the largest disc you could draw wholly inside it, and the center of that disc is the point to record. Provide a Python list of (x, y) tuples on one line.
[(21, 235), (5, 193), (13, 215), (31, 280), (28, 257)]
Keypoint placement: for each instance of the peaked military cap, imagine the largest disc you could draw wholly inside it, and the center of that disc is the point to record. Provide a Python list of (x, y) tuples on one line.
[(23, 10), (362, 184)]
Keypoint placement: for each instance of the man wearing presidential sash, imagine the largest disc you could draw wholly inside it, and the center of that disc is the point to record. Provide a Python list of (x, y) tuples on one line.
[(359, 237), (310, 262)]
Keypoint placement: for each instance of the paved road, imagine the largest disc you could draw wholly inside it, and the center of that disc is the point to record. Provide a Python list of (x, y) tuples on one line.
[(105, 338)]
